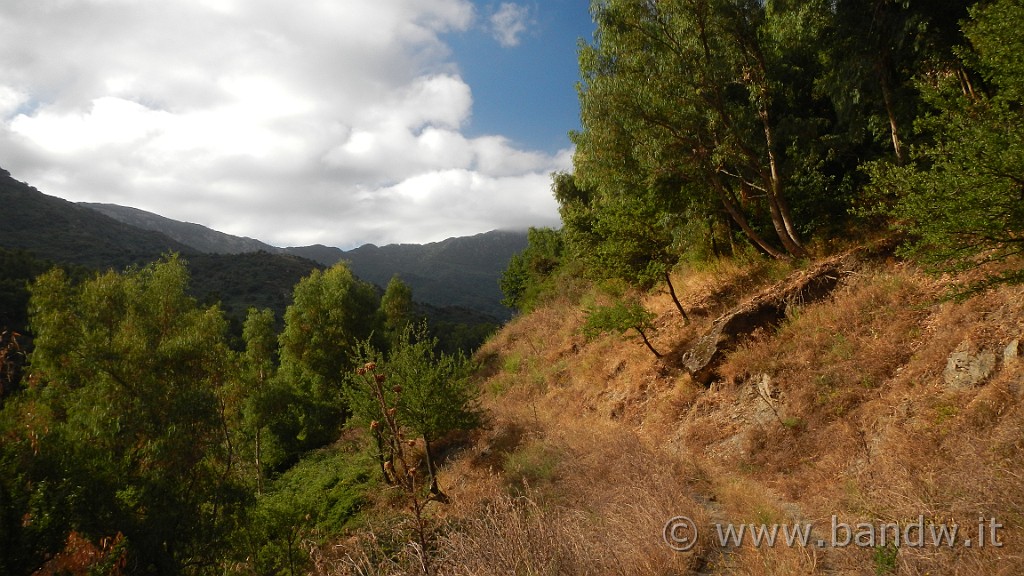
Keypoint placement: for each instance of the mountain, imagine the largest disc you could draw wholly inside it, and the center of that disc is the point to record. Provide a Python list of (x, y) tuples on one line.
[(199, 237), (35, 226), (458, 272), (61, 231), (326, 255)]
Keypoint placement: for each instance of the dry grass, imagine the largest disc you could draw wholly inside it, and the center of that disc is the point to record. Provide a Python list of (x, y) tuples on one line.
[(840, 411)]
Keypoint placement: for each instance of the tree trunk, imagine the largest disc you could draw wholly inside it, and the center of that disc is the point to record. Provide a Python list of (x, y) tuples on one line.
[(435, 492), (737, 215), (781, 218), (259, 463), (965, 83), (672, 291), (890, 108), (647, 342), (382, 460)]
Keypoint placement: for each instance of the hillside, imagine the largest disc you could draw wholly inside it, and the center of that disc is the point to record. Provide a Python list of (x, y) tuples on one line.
[(874, 401), (458, 272), (61, 231), (53, 230), (198, 237)]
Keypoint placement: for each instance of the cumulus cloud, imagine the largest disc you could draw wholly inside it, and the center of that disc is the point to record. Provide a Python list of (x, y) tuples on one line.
[(509, 22), (317, 122)]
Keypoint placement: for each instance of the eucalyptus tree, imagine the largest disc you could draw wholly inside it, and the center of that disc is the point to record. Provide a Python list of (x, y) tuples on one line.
[(710, 95), (125, 416), (396, 307), (529, 272), (873, 51), (961, 195), (631, 237), (331, 312), (258, 413)]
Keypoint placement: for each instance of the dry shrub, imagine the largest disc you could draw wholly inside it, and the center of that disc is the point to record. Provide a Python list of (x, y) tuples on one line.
[(81, 557), (604, 514), (851, 342)]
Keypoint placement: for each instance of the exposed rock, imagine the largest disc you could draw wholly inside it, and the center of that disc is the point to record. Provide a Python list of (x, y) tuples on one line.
[(765, 388), (766, 310), (1012, 352), (965, 369), (764, 409)]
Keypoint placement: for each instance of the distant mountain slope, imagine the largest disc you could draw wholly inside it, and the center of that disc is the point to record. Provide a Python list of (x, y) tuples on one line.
[(197, 236), (460, 272), (252, 280), (61, 231), (66, 233), (326, 255)]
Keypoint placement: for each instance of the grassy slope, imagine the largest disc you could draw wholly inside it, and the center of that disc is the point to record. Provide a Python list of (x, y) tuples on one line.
[(594, 445)]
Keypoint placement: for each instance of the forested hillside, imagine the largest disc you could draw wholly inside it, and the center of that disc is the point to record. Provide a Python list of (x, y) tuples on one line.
[(449, 277), (200, 238), (61, 231)]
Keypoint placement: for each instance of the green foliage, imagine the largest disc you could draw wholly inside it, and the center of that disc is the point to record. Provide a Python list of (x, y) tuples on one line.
[(256, 405), (17, 269), (437, 396), (886, 559), (961, 197), (465, 337), (124, 418), (698, 105), (431, 392), (332, 311), (632, 238), (871, 53), (397, 307), (242, 281), (317, 499), (620, 316), (530, 273), (705, 120), (531, 467)]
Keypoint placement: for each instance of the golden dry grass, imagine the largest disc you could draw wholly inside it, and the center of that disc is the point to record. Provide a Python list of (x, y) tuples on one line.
[(840, 411)]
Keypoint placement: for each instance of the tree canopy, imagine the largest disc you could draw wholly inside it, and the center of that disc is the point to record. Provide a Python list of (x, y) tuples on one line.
[(707, 121), (123, 417), (331, 312)]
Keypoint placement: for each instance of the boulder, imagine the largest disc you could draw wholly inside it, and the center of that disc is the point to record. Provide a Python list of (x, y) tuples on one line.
[(765, 311), (966, 368), (1012, 352)]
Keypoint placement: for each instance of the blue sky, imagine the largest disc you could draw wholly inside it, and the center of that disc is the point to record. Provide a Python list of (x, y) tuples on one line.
[(338, 122), (527, 91)]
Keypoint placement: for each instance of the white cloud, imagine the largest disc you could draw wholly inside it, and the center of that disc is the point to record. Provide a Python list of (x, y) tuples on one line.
[(10, 100), (322, 121), (509, 22)]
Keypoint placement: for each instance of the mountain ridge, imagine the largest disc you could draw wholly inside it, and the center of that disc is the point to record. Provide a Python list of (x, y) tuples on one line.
[(460, 271), (197, 236)]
